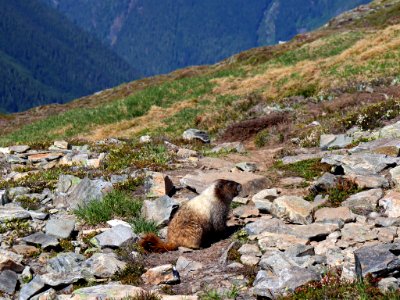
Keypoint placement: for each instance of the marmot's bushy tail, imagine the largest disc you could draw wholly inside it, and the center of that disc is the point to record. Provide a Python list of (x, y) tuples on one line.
[(153, 244)]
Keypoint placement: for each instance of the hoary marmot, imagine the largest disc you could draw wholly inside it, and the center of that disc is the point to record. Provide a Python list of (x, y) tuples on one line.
[(198, 220)]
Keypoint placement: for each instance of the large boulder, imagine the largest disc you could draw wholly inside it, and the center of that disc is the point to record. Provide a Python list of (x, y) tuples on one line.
[(114, 291)]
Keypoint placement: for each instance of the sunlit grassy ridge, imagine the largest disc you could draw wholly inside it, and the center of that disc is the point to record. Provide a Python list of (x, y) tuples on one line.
[(311, 65)]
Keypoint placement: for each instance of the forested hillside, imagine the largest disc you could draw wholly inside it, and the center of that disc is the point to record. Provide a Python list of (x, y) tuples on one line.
[(45, 58), (159, 36)]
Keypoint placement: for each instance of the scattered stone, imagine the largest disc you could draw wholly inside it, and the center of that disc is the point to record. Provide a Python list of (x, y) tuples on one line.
[(390, 132), (61, 145), (66, 183), (187, 267), (339, 215), (118, 178), (85, 191), (32, 288), (263, 200), (195, 134), (389, 147), (39, 238), (159, 210), (361, 163), (60, 228), (10, 261), (386, 234), (391, 204), (158, 185), (50, 294), (109, 291), (40, 157), (104, 265), (313, 231), (300, 251), (246, 211), (11, 212), (247, 167), (292, 181), (115, 237), (250, 182), (186, 153), (282, 241), (378, 260), (8, 281), (395, 173), (67, 262), (331, 141), (250, 249), (229, 147), (145, 139), (249, 260), (162, 274), (292, 209), (325, 182), (241, 200), (114, 223), (25, 250), (364, 201), (369, 182), (358, 233), (389, 284), (19, 149), (15, 192)]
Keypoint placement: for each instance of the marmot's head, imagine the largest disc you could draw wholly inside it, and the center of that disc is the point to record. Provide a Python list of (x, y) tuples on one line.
[(226, 190)]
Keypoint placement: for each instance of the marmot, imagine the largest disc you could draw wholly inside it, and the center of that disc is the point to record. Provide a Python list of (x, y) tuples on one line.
[(197, 221)]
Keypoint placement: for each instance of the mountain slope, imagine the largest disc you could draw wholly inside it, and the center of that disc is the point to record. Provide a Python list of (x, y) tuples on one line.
[(44, 58), (161, 36)]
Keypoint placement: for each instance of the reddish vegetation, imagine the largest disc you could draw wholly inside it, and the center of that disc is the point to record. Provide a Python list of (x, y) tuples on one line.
[(244, 130)]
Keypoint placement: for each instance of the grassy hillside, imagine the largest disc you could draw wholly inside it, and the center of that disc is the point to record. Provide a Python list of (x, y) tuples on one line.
[(44, 58), (159, 36), (348, 69)]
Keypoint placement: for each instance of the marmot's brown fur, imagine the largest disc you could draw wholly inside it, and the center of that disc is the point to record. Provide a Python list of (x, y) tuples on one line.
[(197, 221)]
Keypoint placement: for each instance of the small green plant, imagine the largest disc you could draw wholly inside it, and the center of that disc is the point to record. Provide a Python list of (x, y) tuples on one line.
[(308, 169), (262, 138), (144, 296), (134, 269), (241, 236), (114, 204), (66, 245), (141, 225), (213, 294), (28, 202), (343, 189)]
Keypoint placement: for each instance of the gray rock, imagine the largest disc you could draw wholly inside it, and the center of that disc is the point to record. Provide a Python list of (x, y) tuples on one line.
[(187, 267), (61, 279), (115, 237), (325, 182), (11, 212), (196, 134), (61, 145), (66, 183), (313, 231), (391, 204), (159, 210), (369, 181), (358, 233), (387, 222), (19, 148), (162, 274), (10, 261), (60, 228), (13, 193), (292, 209), (361, 163), (87, 190), (108, 291), (118, 178), (288, 160), (395, 174), (300, 251), (35, 286), (247, 167), (157, 185), (386, 146), (246, 211), (292, 181), (145, 139), (266, 223), (251, 183), (103, 265), (389, 284), (378, 260), (365, 201), (330, 141), (229, 147), (50, 294), (339, 215), (390, 131), (8, 281), (250, 249), (263, 199), (39, 238), (68, 262)]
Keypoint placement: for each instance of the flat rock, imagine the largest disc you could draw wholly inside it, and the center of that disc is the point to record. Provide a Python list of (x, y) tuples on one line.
[(395, 174), (11, 212), (85, 191), (229, 147), (287, 160), (187, 267), (358, 233), (332, 141), (247, 167), (8, 281), (32, 288), (61, 279), (292, 181), (250, 249), (389, 284), (313, 231), (361, 163), (158, 185), (214, 163), (251, 183), (10, 261), (386, 146), (60, 228), (68, 262), (25, 250), (246, 211), (292, 209), (364, 201), (35, 158), (196, 134), (282, 241), (369, 181), (390, 132), (61, 144), (159, 210), (263, 199), (103, 265), (391, 204), (325, 182), (104, 292), (338, 215), (166, 274), (378, 260), (19, 148), (39, 238), (66, 183), (115, 237)]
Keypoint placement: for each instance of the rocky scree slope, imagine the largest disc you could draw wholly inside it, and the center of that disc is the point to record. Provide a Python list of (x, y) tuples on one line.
[(319, 168)]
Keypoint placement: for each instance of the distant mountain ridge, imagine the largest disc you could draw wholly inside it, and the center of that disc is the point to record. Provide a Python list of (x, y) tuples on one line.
[(45, 58), (160, 36)]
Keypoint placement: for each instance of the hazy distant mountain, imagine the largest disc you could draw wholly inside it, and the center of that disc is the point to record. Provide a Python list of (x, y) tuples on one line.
[(45, 58), (157, 36)]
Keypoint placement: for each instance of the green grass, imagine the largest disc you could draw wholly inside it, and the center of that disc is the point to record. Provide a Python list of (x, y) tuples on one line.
[(213, 294), (308, 169), (141, 225)]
